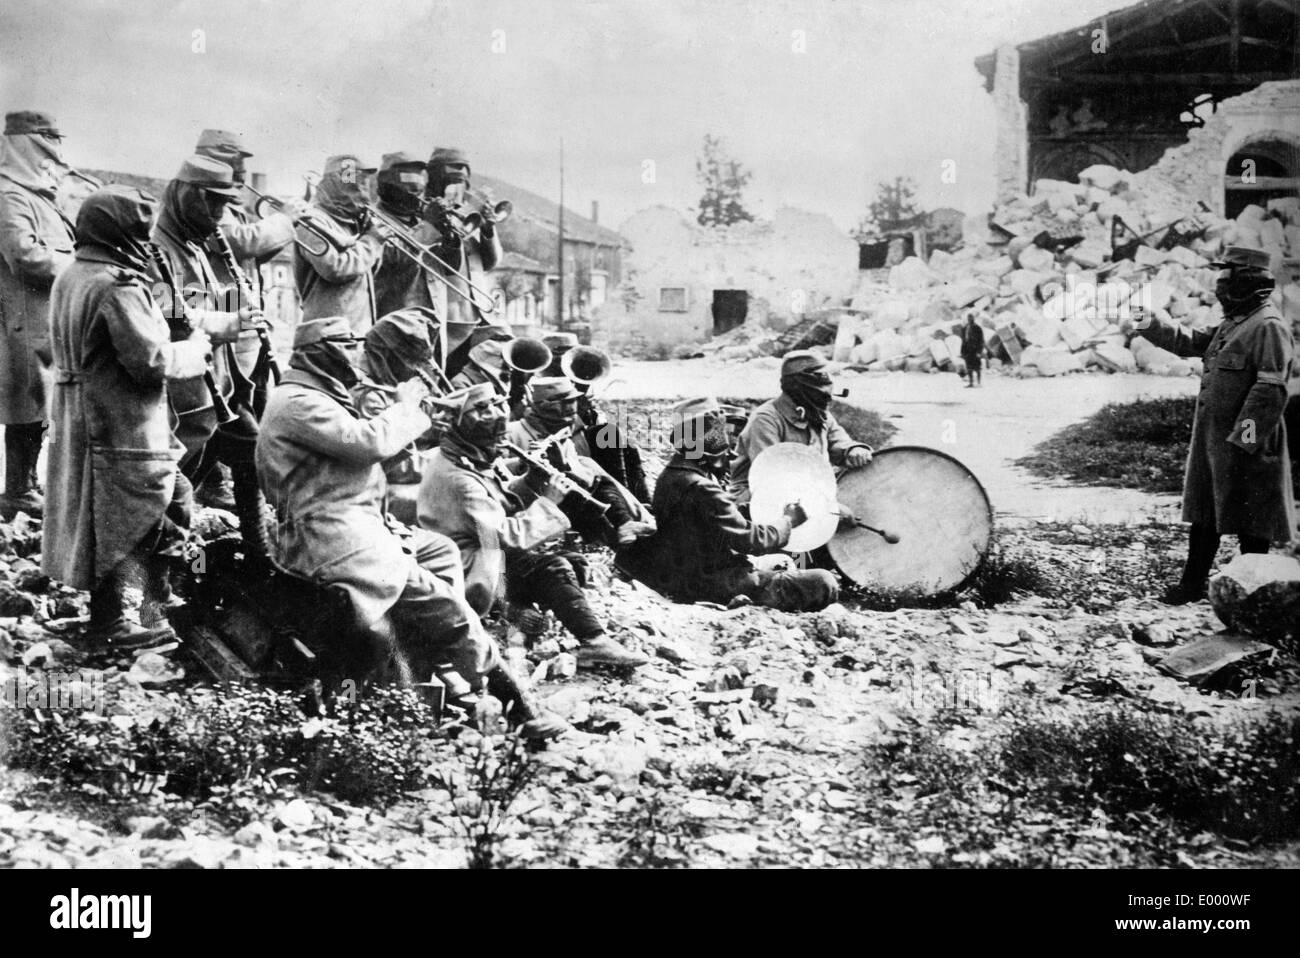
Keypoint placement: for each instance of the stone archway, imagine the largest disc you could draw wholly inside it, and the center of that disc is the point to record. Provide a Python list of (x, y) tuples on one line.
[(1263, 166)]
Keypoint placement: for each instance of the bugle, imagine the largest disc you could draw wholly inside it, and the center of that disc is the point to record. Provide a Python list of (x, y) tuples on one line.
[(278, 205), (405, 242)]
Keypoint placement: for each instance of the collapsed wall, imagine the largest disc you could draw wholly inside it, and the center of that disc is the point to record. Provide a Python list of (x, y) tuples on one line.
[(1042, 278)]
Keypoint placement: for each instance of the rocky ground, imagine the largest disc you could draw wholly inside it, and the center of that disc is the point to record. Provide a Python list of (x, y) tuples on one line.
[(754, 737)]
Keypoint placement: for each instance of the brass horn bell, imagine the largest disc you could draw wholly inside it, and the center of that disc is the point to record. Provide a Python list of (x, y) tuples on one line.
[(585, 364), (525, 355)]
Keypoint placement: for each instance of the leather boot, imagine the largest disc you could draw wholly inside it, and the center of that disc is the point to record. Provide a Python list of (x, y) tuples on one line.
[(250, 507), (159, 600), (22, 450), (215, 491), (522, 709), (113, 623), (603, 650)]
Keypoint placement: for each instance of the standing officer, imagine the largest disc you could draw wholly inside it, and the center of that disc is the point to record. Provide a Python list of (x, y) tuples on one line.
[(1238, 479)]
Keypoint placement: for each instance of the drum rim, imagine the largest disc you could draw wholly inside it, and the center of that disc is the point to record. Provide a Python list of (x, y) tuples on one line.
[(984, 492)]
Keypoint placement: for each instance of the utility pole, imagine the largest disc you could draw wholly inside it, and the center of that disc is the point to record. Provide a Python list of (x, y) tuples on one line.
[(560, 319)]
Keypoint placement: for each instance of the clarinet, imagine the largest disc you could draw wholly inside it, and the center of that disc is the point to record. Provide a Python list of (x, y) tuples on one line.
[(250, 296), (182, 328), (553, 474)]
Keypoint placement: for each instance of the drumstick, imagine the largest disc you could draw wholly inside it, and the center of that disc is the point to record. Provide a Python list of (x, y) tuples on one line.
[(890, 537)]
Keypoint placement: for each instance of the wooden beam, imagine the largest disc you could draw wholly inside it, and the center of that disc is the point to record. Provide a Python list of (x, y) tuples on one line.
[(1213, 7), (1263, 183), (1163, 79)]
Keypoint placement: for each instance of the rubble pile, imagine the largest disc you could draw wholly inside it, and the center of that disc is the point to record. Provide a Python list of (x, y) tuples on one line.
[(1044, 282)]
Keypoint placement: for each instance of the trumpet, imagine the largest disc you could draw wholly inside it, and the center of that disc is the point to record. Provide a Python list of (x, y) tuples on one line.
[(405, 242), (462, 221), (278, 205)]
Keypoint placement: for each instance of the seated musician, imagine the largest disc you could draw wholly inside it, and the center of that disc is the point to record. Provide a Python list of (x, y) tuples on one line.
[(319, 464), (550, 421), (608, 445), (486, 362), (400, 347), (700, 549), (506, 525)]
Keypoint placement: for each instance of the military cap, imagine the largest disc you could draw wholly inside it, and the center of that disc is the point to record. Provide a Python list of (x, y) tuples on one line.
[(802, 361), (448, 154), (559, 342), (1250, 256), (399, 159), (691, 409), (343, 161), (486, 332), (458, 400), (213, 175), (218, 143), (318, 330), (30, 121), (554, 389)]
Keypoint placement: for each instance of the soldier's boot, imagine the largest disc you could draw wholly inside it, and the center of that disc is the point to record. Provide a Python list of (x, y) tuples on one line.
[(522, 710), (251, 508), (22, 450), (605, 650), (113, 623), (159, 599), (215, 490)]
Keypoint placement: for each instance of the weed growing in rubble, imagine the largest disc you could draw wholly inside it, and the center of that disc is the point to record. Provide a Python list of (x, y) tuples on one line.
[(483, 792), (237, 746), (1091, 787)]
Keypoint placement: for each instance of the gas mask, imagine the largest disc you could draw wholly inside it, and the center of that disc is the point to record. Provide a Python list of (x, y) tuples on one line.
[(1241, 290), (483, 425), (401, 189)]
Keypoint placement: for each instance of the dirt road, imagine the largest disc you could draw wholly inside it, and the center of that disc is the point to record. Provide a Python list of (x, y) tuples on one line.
[(986, 428)]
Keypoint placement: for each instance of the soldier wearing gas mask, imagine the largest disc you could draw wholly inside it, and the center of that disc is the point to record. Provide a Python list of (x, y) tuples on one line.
[(1238, 479), (700, 551), (447, 191), (506, 525), (400, 283)]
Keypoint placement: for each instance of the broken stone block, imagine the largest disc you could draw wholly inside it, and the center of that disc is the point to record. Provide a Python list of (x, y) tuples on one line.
[(996, 267), (911, 273), (1088, 254), (1036, 259), (1183, 257), (1105, 177), (1052, 362), (1114, 358), (891, 314), (1259, 595), (1204, 657), (962, 295), (1287, 206), (1271, 233), (1148, 256), (1252, 215)]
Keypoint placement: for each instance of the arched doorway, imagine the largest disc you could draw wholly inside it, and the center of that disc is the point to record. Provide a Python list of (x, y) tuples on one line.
[(1261, 170)]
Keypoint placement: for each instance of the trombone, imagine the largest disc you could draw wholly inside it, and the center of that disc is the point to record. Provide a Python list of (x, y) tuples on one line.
[(305, 222), (405, 242)]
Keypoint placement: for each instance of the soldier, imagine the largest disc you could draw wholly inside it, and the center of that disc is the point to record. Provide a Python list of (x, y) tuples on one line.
[(192, 207), (36, 242), (800, 414), (320, 465), (400, 347), (254, 241), (118, 506), (972, 351), (553, 408), (449, 174), (1238, 479), (340, 281), (700, 549), (400, 281), (503, 523)]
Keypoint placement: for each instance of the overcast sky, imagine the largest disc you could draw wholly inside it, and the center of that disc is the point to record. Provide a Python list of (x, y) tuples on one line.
[(883, 88)]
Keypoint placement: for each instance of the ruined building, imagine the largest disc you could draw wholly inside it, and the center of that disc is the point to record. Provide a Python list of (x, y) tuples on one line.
[(1130, 86)]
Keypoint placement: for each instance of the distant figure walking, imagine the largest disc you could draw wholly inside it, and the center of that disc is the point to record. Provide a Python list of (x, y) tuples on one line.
[(972, 350)]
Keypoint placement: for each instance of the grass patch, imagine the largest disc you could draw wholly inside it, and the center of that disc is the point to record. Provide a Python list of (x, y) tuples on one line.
[(1137, 445), (1114, 785)]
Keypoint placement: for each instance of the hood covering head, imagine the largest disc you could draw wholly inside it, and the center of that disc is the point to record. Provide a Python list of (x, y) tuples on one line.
[(554, 403), (805, 380), (478, 423), (115, 221), (32, 161), (193, 202), (325, 348), (700, 433), (400, 347), (401, 183), (440, 177), (342, 191)]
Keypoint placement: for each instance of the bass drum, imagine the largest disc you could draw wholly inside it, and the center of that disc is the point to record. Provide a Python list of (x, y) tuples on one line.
[(936, 507)]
